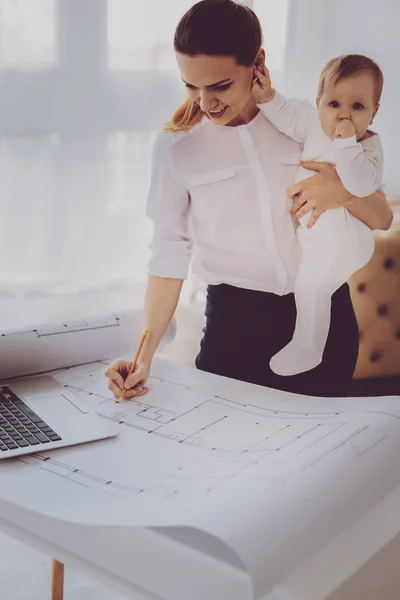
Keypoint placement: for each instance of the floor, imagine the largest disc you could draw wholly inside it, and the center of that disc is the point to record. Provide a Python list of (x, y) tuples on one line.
[(25, 574)]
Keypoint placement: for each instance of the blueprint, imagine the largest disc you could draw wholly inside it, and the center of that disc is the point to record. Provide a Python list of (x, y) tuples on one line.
[(221, 439), (257, 478)]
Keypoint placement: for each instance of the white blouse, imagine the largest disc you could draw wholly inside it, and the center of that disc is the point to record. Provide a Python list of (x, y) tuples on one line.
[(218, 196)]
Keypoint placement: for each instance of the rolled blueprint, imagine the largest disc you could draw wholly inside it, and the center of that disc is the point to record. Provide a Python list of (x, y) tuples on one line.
[(54, 345)]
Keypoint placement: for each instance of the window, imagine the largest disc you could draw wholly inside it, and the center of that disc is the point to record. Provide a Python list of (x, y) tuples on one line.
[(140, 33), (273, 18), (27, 33)]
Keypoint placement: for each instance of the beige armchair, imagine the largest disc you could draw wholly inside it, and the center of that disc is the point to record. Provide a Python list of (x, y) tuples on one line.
[(375, 292)]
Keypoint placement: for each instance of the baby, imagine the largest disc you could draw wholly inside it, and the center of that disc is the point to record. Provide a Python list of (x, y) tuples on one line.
[(338, 244)]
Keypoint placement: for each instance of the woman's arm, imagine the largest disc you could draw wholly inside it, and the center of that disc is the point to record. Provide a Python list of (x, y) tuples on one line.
[(325, 190), (373, 210), (161, 299), (168, 208), (162, 296)]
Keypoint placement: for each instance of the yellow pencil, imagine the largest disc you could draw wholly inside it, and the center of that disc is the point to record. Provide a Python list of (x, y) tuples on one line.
[(133, 365)]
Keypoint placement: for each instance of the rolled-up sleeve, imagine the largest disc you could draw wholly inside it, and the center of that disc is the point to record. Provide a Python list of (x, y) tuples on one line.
[(168, 208)]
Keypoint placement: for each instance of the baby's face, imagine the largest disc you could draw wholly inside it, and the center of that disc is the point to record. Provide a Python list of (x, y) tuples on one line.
[(351, 98)]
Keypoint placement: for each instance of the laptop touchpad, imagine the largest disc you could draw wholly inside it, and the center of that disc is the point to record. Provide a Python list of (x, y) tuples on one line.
[(57, 404)]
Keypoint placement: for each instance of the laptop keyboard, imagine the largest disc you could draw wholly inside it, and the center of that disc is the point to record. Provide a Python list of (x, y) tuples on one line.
[(20, 426)]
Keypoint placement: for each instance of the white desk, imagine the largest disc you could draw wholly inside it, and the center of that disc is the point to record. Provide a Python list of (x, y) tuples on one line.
[(159, 565)]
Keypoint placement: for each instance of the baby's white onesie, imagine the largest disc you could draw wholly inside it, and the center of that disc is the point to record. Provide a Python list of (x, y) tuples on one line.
[(338, 244)]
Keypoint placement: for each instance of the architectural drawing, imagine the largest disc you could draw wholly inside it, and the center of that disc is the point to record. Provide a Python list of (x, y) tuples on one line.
[(226, 438)]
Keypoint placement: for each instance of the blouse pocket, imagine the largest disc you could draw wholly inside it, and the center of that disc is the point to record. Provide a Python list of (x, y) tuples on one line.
[(208, 178), (290, 159), (212, 196)]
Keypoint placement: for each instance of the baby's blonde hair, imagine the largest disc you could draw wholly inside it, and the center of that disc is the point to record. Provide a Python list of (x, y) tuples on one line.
[(350, 64)]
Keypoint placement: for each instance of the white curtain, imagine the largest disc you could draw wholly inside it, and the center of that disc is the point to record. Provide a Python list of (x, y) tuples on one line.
[(321, 29), (84, 87)]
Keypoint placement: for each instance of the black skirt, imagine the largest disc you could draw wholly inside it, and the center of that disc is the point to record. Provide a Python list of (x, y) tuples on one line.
[(245, 328)]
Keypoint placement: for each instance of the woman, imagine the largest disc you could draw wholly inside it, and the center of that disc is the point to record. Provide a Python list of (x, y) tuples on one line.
[(221, 176)]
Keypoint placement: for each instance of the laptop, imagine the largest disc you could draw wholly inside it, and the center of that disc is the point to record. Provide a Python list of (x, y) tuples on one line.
[(38, 414)]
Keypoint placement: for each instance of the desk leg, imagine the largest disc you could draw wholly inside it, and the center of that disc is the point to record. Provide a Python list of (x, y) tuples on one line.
[(57, 580)]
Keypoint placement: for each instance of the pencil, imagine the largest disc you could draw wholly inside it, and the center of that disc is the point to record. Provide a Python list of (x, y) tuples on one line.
[(133, 365)]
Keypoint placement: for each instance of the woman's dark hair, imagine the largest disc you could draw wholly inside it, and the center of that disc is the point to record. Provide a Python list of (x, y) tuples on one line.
[(214, 28)]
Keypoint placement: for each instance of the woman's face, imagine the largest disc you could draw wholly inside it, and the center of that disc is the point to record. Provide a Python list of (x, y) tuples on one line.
[(221, 87)]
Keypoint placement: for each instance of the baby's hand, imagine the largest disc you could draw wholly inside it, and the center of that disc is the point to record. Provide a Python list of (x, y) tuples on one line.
[(262, 90), (345, 129)]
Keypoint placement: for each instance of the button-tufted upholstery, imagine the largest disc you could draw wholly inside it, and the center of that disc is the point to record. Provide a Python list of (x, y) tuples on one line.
[(375, 292)]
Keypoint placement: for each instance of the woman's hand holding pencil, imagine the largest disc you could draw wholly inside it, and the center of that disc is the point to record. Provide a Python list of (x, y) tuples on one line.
[(127, 379)]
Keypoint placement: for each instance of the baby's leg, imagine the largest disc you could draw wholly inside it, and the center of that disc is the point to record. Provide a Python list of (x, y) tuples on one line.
[(332, 250)]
